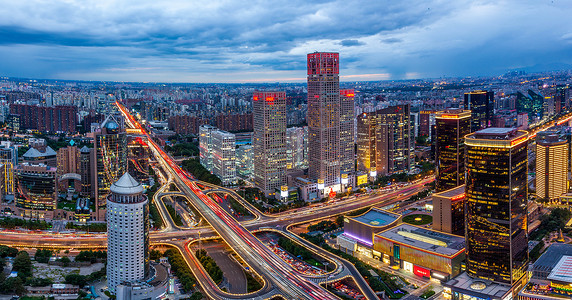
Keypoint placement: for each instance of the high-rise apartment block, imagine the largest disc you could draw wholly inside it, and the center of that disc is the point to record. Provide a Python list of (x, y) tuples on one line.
[(481, 105), (127, 232), (496, 191), (224, 156), (234, 122), (186, 124), (395, 147), (552, 164), (452, 126), (324, 118), (269, 140), (386, 142), (45, 118)]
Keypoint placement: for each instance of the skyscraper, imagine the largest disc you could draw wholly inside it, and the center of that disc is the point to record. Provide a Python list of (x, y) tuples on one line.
[(127, 232), (224, 156), (110, 150), (366, 141), (481, 105), (347, 132), (85, 170), (551, 166), (269, 140), (295, 148), (496, 192), (205, 146), (452, 126), (395, 144), (324, 118)]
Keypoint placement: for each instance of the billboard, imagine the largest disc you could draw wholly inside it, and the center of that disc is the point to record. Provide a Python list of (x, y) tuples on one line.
[(362, 179)]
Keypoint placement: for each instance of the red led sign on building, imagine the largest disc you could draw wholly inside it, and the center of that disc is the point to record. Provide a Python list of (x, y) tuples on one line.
[(421, 272), (347, 93)]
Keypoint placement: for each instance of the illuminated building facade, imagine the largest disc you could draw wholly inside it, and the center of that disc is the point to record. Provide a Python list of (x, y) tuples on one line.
[(8, 160), (110, 150), (224, 156), (347, 132), (296, 148), (449, 211), (395, 145), (552, 160), (426, 119), (452, 126), (366, 139), (85, 169), (481, 105), (127, 232), (269, 140), (138, 159), (244, 161), (205, 146), (496, 218), (324, 118), (36, 193)]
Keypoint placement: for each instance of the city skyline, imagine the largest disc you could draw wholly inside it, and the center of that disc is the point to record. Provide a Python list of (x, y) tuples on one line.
[(229, 42)]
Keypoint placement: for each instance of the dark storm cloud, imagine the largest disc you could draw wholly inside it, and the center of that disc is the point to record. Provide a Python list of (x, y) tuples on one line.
[(237, 41)]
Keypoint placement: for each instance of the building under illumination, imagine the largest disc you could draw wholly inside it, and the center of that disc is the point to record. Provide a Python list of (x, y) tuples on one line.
[(552, 161), (323, 118), (224, 156), (347, 132), (205, 146), (110, 151), (269, 140), (452, 126), (36, 194), (127, 232), (366, 139), (496, 163), (481, 105)]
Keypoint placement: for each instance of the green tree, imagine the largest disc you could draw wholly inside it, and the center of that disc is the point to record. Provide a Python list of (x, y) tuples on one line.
[(76, 279), (23, 264)]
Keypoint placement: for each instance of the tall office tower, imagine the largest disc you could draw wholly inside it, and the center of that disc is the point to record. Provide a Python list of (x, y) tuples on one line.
[(127, 232), (347, 132), (85, 166), (324, 118), (110, 150), (395, 143), (481, 104), (452, 126), (224, 156), (366, 143), (496, 189), (269, 140), (552, 162), (9, 161), (425, 121), (138, 159), (205, 146), (36, 195), (295, 148)]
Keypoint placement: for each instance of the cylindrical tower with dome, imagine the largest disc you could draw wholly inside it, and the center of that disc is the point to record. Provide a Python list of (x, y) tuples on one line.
[(127, 232)]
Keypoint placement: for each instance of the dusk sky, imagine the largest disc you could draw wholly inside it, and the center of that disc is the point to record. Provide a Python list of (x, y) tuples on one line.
[(256, 41)]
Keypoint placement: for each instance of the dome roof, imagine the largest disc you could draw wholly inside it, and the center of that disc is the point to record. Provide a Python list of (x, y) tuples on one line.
[(112, 126), (126, 185)]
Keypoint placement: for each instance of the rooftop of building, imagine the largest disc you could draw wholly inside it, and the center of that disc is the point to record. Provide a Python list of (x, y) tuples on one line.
[(563, 270), (481, 288), (452, 193), (497, 133), (126, 185), (548, 139), (425, 239), (552, 255), (35, 153), (376, 217), (453, 113)]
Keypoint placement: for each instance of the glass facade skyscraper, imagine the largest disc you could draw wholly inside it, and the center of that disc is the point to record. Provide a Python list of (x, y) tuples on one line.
[(452, 126), (496, 192), (481, 105)]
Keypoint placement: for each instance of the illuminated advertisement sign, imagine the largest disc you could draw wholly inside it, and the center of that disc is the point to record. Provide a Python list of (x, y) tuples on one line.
[(421, 272), (407, 266), (362, 179)]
